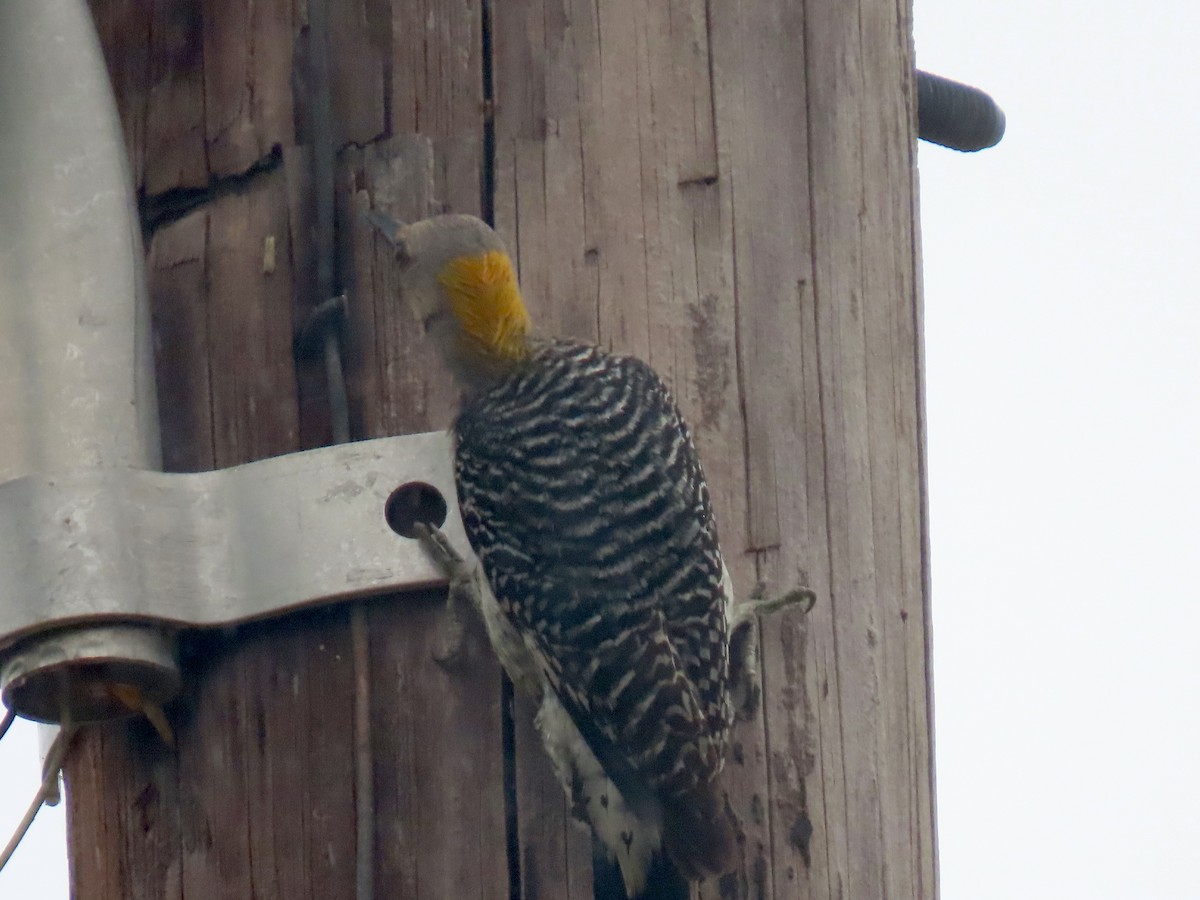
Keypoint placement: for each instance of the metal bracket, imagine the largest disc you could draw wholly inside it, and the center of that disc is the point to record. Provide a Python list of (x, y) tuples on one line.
[(134, 548)]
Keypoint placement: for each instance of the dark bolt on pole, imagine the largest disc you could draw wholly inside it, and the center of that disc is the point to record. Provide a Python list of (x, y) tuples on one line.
[(956, 115)]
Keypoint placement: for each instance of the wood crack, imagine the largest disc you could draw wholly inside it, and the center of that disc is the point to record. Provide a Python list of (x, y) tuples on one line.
[(158, 210)]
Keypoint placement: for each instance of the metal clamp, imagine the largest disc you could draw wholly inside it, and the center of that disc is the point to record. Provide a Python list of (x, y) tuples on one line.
[(151, 553)]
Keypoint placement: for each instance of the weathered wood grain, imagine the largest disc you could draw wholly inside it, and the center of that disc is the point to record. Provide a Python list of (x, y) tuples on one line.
[(860, 127), (439, 779), (248, 279), (762, 147), (437, 69), (174, 151), (358, 50), (176, 269), (205, 89), (248, 104), (124, 839), (437, 93)]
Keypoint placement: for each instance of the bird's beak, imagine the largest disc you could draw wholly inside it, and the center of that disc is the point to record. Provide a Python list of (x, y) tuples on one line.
[(386, 226)]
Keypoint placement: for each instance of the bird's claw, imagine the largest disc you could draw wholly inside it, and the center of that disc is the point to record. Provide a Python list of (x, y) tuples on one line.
[(744, 682), (437, 545), (744, 688), (460, 576), (451, 649), (758, 604)]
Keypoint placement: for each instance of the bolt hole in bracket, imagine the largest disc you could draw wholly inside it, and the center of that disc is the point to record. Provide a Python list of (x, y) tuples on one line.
[(412, 503), (100, 569)]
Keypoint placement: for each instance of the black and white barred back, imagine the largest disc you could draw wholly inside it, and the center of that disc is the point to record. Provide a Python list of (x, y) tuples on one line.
[(584, 499)]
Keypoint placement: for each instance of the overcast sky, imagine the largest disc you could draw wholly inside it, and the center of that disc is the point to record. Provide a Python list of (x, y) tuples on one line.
[(1063, 381)]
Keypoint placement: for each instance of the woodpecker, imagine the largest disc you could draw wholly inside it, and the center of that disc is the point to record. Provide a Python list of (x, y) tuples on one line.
[(600, 577)]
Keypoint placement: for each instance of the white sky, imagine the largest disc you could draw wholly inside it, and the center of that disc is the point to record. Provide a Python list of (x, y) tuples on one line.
[(1063, 382)]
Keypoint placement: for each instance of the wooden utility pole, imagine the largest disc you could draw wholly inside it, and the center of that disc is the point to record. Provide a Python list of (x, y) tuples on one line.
[(726, 189)]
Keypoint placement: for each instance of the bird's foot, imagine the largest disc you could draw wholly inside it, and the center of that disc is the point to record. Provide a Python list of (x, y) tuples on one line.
[(758, 604), (463, 594), (745, 685)]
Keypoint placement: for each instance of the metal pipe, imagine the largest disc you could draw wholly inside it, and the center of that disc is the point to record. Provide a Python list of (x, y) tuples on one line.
[(76, 362)]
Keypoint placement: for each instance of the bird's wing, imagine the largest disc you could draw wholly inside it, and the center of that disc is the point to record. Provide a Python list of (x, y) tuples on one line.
[(584, 499)]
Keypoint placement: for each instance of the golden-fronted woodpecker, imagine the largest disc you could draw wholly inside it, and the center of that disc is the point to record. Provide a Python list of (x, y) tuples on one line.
[(603, 588)]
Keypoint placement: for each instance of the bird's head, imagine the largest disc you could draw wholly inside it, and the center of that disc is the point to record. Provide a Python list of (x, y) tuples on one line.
[(458, 281)]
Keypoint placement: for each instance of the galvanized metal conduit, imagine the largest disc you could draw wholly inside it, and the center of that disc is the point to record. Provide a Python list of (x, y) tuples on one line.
[(76, 361), (76, 364)]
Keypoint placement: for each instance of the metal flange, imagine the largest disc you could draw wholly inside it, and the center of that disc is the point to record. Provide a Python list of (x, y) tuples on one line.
[(90, 559)]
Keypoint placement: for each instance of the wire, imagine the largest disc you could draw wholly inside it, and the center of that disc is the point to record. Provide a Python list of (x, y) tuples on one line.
[(339, 416), (54, 762)]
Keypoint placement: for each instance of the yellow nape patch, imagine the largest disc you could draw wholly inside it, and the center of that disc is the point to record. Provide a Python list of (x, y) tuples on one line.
[(486, 301)]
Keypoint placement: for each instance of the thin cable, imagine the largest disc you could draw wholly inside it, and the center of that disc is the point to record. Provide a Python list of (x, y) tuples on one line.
[(335, 377), (364, 779), (9, 715), (54, 761), (339, 416)]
